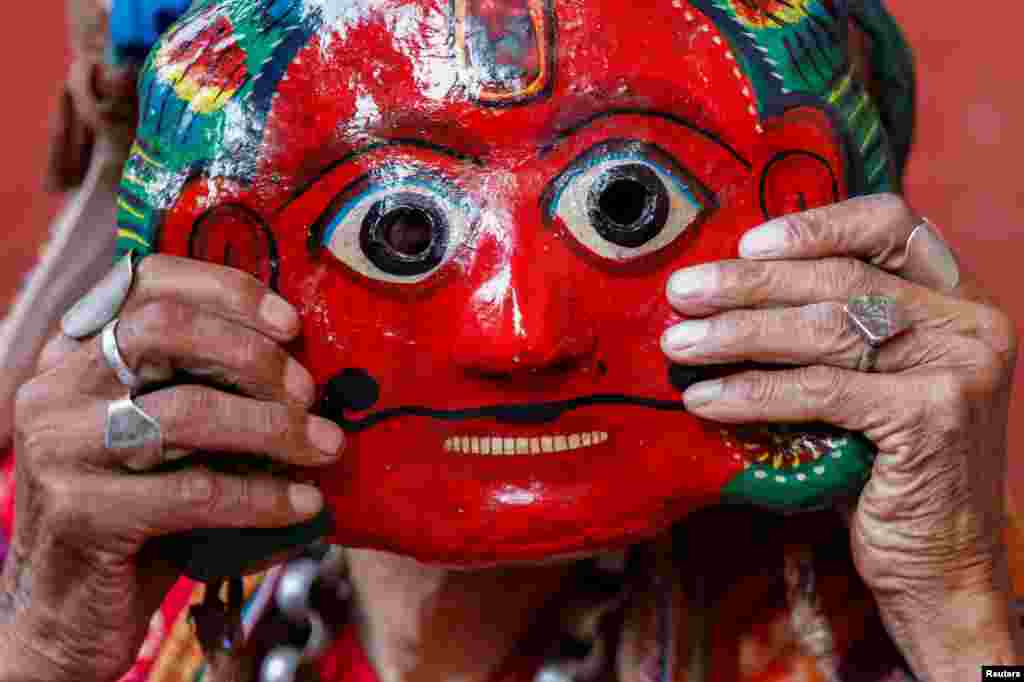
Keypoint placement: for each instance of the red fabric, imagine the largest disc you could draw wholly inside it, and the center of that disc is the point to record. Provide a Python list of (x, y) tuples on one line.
[(346, 661), (160, 627), (6, 494)]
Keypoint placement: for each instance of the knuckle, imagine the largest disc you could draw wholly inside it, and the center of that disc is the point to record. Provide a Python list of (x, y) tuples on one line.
[(183, 407), (236, 497), (58, 495), (1000, 331), (28, 399), (149, 266), (242, 291), (33, 431), (253, 350), (800, 228), (893, 208), (822, 384), (757, 388), (951, 405), (159, 320), (734, 277), (841, 277), (829, 328), (199, 488), (277, 420)]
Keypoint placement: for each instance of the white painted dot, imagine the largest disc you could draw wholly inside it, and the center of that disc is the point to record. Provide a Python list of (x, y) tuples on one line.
[(838, 454), (717, 40), (780, 479), (760, 475), (730, 56), (752, 110), (819, 470), (801, 477)]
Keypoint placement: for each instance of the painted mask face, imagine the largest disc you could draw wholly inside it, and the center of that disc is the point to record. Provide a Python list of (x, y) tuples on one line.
[(476, 204)]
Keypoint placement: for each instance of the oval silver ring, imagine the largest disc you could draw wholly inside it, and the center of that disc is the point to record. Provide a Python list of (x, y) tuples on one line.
[(112, 354)]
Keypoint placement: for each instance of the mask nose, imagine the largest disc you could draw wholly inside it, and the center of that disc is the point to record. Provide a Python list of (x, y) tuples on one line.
[(524, 317)]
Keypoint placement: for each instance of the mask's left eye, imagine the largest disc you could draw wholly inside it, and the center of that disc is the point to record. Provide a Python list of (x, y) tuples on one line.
[(401, 230)]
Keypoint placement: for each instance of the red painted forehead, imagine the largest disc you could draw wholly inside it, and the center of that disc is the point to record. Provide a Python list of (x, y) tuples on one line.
[(436, 70)]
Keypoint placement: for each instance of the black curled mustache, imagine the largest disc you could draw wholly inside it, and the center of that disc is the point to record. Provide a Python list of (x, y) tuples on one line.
[(356, 390)]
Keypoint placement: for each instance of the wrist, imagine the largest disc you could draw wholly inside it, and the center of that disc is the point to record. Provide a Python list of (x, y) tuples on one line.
[(22, 656), (950, 639), (17, 663)]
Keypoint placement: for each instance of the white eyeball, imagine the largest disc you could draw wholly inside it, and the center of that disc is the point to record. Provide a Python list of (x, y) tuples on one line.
[(623, 200), (396, 229)]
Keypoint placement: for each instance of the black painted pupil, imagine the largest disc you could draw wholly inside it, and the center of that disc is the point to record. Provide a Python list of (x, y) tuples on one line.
[(629, 205), (408, 231), (405, 234), (624, 201)]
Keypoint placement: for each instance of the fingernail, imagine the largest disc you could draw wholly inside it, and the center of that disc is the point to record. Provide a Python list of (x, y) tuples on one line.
[(691, 282), (325, 435), (703, 393), (299, 382), (770, 239), (279, 313), (685, 335), (305, 499)]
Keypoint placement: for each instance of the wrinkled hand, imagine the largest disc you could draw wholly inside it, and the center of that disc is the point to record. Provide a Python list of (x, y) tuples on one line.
[(81, 583), (927, 530), (99, 101)]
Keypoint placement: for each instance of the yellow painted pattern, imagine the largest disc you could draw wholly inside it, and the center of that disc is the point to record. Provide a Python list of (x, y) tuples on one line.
[(128, 234), (137, 151), (123, 205)]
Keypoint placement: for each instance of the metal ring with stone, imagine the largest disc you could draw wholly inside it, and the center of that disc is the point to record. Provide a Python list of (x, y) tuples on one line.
[(130, 431), (112, 354), (877, 319), (103, 302)]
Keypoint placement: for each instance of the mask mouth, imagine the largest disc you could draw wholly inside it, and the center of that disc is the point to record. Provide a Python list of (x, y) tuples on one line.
[(500, 445)]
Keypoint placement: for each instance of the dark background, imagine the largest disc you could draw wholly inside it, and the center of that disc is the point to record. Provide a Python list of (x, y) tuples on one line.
[(964, 172)]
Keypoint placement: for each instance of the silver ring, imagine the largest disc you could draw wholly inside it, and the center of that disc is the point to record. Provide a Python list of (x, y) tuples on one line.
[(112, 354), (877, 319), (103, 302), (130, 429), (928, 260)]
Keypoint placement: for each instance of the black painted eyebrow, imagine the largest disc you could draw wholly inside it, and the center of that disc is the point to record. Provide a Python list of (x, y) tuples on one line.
[(665, 116), (363, 151)]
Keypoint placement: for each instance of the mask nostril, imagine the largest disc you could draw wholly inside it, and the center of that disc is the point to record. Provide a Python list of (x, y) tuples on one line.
[(350, 389)]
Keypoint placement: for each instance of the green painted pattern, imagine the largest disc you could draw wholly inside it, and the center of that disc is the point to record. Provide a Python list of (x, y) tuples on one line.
[(812, 485)]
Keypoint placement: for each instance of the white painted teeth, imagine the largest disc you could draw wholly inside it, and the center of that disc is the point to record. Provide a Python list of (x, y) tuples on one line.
[(501, 445)]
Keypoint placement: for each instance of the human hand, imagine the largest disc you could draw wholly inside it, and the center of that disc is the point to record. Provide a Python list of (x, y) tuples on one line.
[(926, 533), (81, 582), (98, 105)]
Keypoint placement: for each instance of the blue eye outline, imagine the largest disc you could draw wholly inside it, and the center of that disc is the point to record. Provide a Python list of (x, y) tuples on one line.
[(690, 200), (442, 205)]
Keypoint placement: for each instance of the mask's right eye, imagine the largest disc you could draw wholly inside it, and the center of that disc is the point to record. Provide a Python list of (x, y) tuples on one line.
[(401, 230)]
